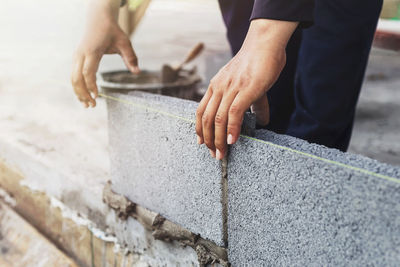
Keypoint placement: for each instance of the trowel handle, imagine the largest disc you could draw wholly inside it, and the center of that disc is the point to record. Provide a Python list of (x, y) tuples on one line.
[(192, 54)]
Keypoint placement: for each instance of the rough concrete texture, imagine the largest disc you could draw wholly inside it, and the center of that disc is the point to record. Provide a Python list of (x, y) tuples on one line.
[(157, 163), (289, 209)]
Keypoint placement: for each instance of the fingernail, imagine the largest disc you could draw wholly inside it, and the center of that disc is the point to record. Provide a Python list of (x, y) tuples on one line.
[(219, 155), (212, 152), (198, 140), (85, 105), (230, 139)]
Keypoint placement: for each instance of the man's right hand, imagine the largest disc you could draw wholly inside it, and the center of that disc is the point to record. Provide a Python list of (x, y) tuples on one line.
[(243, 83), (103, 36)]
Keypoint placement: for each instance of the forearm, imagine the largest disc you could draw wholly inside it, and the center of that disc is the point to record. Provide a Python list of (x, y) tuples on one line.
[(102, 15), (108, 9), (266, 42), (269, 34)]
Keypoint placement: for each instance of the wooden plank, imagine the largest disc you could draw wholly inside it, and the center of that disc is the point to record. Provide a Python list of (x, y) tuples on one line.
[(22, 245)]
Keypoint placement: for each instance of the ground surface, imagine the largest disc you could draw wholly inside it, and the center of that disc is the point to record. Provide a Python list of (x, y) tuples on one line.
[(38, 110), (377, 126)]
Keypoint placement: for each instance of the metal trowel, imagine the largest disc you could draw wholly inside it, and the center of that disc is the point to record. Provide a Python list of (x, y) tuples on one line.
[(170, 74)]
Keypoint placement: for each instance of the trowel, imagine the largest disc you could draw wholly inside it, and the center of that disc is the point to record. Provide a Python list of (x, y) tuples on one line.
[(170, 74)]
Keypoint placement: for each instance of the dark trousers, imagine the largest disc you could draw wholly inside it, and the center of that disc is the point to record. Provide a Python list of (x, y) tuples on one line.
[(316, 94)]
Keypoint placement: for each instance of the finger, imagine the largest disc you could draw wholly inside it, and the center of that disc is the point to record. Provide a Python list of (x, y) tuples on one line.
[(127, 53), (235, 117), (90, 68), (84, 103), (199, 115), (221, 121), (212, 153), (76, 67), (84, 96), (209, 118), (78, 82), (261, 109)]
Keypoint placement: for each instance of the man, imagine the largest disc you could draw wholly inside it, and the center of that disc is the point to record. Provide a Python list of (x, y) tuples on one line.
[(299, 81)]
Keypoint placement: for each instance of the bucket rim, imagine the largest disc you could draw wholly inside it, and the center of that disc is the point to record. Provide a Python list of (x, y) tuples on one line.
[(192, 79)]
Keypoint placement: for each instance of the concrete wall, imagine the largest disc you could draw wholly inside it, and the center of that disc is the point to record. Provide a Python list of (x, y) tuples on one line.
[(288, 202)]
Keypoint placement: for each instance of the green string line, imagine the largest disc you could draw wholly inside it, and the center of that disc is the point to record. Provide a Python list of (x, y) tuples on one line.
[(382, 176), (147, 107)]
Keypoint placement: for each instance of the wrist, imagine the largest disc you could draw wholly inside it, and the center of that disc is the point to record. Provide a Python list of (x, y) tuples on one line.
[(272, 33), (109, 9)]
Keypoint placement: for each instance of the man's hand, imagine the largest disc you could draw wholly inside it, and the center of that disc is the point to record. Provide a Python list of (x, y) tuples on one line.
[(103, 36), (242, 82)]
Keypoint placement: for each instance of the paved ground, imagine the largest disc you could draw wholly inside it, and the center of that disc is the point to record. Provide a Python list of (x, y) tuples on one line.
[(377, 127), (38, 111)]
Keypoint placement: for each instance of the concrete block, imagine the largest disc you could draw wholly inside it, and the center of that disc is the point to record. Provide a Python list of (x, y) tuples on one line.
[(156, 162), (290, 209)]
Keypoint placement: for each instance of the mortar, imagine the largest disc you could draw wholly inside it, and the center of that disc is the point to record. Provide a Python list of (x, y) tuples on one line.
[(185, 87)]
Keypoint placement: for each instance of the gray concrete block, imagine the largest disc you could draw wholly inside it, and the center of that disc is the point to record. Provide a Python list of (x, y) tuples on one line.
[(156, 162), (290, 209)]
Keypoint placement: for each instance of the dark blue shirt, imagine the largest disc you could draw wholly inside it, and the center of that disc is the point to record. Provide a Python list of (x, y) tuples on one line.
[(289, 10)]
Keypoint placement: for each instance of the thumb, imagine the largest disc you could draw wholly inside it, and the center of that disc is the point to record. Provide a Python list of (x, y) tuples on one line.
[(128, 55), (261, 110)]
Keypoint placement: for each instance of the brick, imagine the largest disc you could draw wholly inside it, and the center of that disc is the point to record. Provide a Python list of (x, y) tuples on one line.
[(285, 208), (156, 162)]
